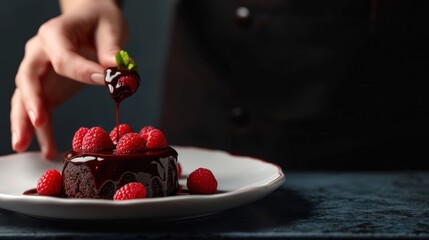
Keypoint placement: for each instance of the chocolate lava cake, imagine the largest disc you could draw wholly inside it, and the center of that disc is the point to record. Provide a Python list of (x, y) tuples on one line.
[(99, 175)]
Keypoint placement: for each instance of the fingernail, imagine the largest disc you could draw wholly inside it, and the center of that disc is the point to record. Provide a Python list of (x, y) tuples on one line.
[(32, 116), (97, 78), (14, 140)]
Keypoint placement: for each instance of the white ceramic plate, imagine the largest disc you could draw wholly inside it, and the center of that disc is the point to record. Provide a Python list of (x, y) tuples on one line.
[(240, 180)]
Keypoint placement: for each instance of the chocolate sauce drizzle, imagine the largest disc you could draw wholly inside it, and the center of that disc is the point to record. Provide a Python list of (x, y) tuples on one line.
[(118, 91)]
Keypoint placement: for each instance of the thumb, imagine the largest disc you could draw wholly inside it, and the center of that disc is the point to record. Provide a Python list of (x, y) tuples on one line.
[(109, 41)]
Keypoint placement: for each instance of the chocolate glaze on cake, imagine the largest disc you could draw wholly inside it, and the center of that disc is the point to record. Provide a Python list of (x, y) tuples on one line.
[(99, 175)]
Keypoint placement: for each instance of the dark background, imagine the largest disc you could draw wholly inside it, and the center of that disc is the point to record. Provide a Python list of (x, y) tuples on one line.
[(148, 22), (371, 80)]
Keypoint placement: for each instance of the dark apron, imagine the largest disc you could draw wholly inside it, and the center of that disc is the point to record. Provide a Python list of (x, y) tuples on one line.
[(304, 84)]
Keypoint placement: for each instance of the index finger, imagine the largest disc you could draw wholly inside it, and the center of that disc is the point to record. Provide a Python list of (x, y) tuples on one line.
[(64, 57)]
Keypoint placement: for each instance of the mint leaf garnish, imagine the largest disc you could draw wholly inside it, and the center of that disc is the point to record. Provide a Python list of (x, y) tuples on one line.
[(132, 66), (125, 57), (123, 61), (120, 61)]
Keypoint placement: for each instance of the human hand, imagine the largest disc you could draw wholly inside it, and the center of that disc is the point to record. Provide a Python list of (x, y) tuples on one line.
[(68, 52)]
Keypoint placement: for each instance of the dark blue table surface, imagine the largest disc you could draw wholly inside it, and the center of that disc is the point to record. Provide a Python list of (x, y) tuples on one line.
[(309, 205)]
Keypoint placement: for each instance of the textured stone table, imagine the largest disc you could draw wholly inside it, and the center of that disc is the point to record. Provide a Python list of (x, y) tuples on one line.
[(309, 205)]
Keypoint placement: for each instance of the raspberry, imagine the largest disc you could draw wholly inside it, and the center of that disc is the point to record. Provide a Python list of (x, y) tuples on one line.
[(202, 181), (49, 184), (96, 140), (78, 137), (129, 143), (123, 129), (145, 131), (130, 81), (132, 190), (156, 139)]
